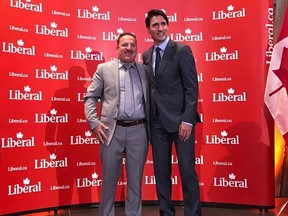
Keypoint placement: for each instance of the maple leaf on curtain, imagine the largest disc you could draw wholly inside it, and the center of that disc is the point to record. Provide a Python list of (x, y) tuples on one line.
[(275, 96), (282, 72)]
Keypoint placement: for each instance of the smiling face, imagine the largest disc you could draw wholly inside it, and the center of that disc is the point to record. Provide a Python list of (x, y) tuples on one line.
[(127, 48), (158, 29)]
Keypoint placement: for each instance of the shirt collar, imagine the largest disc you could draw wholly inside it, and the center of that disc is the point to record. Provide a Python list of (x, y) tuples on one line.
[(163, 44), (121, 64)]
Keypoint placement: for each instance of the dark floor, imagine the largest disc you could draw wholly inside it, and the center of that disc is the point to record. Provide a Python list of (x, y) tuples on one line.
[(281, 209)]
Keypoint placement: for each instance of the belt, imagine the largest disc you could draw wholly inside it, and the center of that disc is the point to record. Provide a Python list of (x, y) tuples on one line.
[(124, 123)]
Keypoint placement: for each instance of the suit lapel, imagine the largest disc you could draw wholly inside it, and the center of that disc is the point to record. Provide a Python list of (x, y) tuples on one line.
[(150, 66), (142, 79), (115, 73)]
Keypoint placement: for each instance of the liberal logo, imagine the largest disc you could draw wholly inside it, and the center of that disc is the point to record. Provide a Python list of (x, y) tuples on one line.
[(26, 188), (87, 140), (26, 95), (231, 182), (79, 55), (18, 49), (80, 96), (229, 14), (52, 74), (150, 180), (171, 17), (19, 142), (111, 36), (53, 163), (52, 30), (200, 77), (223, 139), (222, 56), (51, 118), (230, 97), (201, 116), (270, 33), (26, 5), (188, 37), (89, 182), (93, 14), (198, 160)]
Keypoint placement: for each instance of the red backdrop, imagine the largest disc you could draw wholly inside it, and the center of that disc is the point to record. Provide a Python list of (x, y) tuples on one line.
[(49, 51)]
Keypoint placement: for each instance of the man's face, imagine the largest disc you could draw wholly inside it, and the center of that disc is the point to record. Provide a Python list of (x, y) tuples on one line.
[(158, 29), (127, 49)]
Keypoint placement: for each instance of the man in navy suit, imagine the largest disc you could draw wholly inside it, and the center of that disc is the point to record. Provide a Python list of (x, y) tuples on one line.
[(173, 106)]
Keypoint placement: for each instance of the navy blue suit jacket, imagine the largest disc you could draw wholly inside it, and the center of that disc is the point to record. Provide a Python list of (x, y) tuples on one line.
[(175, 91)]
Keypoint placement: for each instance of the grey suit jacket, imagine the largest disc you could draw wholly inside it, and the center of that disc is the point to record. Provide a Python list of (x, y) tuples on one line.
[(175, 91), (105, 86)]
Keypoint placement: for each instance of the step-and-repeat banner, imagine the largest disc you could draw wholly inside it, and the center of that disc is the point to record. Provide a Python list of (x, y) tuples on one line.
[(50, 50)]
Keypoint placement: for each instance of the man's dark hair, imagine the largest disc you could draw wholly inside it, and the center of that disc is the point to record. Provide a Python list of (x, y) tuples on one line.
[(152, 13), (124, 34)]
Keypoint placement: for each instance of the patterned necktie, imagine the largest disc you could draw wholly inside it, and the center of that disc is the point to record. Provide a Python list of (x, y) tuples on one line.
[(129, 96), (157, 60)]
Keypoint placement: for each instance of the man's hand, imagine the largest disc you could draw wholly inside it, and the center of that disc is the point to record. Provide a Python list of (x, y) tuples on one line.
[(184, 131), (99, 131)]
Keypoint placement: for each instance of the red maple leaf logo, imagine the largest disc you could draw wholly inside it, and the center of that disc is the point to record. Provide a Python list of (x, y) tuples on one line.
[(282, 72)]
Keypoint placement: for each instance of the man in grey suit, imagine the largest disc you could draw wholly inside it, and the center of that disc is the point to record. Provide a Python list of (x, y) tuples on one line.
[(174, 97), (121, 86)]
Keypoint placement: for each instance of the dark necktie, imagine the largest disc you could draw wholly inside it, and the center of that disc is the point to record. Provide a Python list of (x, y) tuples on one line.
[(157, 60)]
